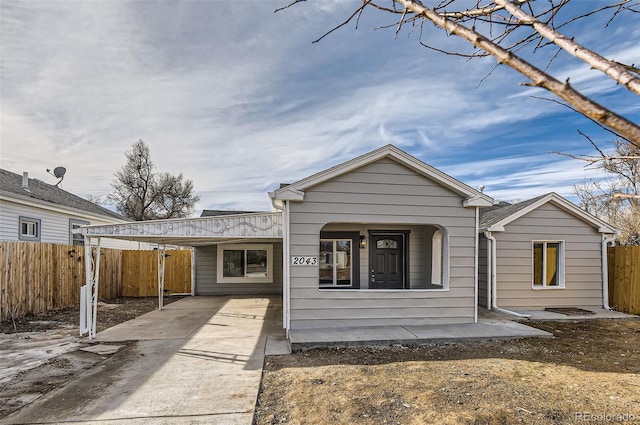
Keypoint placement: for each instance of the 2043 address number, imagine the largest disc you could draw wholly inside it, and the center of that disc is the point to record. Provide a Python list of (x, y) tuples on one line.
[(304, 260)]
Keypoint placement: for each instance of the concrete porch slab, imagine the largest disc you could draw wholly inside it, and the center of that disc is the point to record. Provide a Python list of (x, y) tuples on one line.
[(386, 335), (598, 313)]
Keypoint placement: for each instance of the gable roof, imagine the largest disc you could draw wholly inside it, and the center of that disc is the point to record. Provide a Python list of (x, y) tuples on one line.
[(495, 219), (11, 186), (295, 191)]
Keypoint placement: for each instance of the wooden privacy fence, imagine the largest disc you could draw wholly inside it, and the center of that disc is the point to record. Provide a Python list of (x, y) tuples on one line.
[(39, 276), (140, 273), (624, 278)]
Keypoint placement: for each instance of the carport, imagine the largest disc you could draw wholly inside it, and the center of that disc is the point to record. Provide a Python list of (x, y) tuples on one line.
[(261, 227)]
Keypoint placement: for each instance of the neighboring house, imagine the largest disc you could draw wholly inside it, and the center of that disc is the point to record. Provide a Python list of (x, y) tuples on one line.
[(383, 239), (32, 210), (542, 253)]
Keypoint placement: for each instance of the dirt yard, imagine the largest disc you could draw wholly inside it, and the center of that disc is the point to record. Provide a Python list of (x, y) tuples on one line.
[(110, 312), (39, 341), (588, 373)]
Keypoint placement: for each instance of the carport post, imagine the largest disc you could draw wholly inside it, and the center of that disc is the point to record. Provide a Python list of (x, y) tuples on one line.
[(161, 256), (89, 292)]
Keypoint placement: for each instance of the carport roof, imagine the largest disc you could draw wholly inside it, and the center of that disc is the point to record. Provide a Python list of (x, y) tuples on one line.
[(195, 231)]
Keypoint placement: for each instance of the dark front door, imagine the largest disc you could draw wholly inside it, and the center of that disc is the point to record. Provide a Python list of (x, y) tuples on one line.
[(387, 261)]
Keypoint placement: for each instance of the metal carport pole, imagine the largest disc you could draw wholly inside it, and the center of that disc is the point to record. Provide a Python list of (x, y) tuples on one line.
[(161, 257), (89, 292)]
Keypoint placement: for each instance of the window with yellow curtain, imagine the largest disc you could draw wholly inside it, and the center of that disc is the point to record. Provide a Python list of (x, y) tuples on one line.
[(548, 264)]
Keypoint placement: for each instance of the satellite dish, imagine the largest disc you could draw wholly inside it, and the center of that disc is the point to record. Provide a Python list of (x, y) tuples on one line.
[(59, 172)]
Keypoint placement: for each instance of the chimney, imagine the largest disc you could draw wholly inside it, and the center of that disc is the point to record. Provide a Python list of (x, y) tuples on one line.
[(25, 181)]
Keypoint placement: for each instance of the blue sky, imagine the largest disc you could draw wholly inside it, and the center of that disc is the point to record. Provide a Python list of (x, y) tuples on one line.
[(238, 99)]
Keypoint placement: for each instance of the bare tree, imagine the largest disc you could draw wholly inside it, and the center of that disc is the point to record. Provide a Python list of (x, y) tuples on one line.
[(141, 194), (617, 198), (503, 28), (102, 200)]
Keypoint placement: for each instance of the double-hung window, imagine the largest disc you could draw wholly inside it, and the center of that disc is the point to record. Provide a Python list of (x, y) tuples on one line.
[(548, 264), (249, 263), (29, 229)]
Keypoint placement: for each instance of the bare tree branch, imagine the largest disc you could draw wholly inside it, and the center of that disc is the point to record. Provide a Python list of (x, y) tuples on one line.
[(345, 22), (610, 68), (539, 78)]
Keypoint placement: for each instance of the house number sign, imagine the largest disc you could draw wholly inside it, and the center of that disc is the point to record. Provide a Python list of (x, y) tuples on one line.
[(304, 260)]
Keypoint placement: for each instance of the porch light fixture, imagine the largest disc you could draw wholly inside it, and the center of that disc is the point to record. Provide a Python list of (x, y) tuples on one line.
[(363, 242)]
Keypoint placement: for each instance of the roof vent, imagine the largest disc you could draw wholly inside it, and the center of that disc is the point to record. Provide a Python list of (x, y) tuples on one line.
[(25, 181)]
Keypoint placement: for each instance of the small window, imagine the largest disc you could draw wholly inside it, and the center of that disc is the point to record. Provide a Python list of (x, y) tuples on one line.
[(29, 229), (245, 263), (76, 239), (548, 264), (336, 262), (387, 244), (339, 260)]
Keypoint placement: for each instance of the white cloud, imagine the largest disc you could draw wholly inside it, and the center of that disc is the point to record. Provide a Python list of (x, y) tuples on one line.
[(238, 99)]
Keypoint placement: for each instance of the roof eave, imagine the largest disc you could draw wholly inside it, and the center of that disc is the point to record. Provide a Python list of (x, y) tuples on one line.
[(52, 206), (287, 194), (477, 201)]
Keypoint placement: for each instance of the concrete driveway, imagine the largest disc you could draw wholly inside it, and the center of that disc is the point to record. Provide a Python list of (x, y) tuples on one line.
[(198, 361)]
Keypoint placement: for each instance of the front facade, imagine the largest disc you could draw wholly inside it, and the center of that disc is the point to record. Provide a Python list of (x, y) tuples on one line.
[(395, 242), (34, 211), (383, 239)]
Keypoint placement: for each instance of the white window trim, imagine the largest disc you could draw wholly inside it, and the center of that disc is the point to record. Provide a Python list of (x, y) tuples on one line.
[(38, 228), (436, 258), (244, 247), (77, 222), (561, 266)]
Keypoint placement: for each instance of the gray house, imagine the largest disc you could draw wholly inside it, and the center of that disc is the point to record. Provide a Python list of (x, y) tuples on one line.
[(385, 239), (542, 253)]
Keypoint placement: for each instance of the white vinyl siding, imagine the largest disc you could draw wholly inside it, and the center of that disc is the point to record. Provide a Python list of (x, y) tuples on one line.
[(383, 195), (206, 259), (582, 261), (54, 226)]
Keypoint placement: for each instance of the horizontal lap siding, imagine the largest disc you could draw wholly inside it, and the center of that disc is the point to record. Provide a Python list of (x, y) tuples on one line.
[(583, 269), (382, 196), (54, 226), (206, 274)]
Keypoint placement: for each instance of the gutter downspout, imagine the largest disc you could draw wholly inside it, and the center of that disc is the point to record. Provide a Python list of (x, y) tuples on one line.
[(605, 271), (285, 263), (475, 267), (494, 279)]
